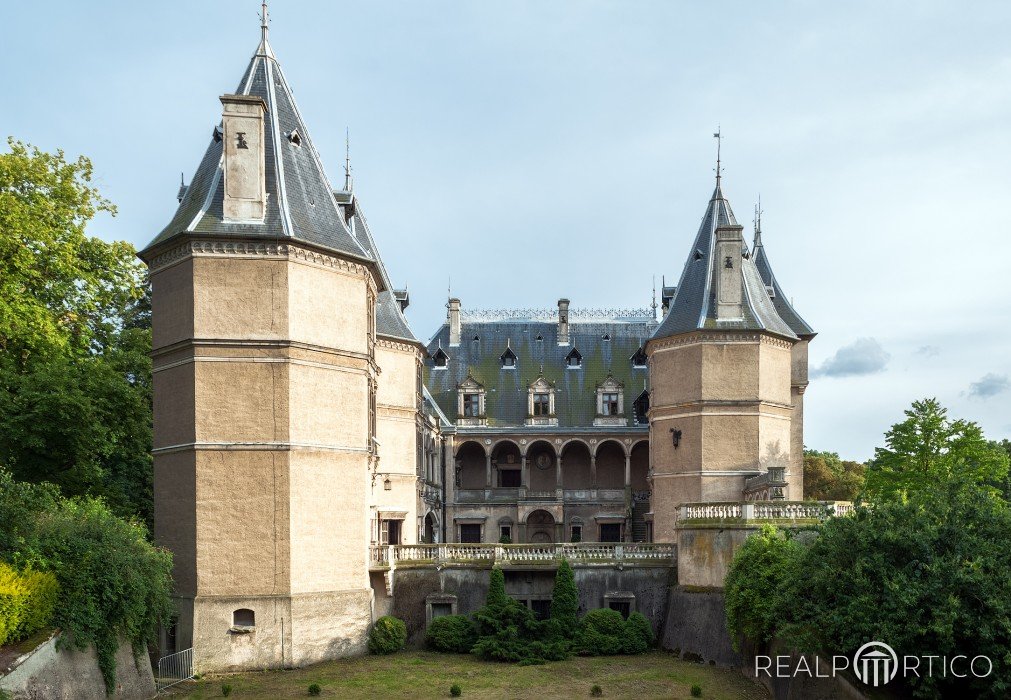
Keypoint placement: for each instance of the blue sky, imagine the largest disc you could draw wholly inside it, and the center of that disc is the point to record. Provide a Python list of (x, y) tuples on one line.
[(533, 150)]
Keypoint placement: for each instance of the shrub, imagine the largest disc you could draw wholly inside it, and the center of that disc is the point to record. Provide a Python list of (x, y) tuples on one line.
[(387, 636), (596, 691), (314, 689), (505, 539), (455, 690), (226, 690), (451, 633), (696, 691), (638, 634), (565, 602), (601, 633), (26, 602), (505, 629)]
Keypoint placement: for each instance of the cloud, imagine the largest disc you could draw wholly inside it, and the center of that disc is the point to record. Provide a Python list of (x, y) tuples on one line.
[(990, 384), (929, 351), (862, 356)]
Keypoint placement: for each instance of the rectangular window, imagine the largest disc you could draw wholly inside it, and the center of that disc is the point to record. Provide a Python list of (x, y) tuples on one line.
[(505, 533), (542, 405), (509, 478), (609, 405), (470, 532), (610, 532), (389, 531), (471, 405), (622, 606), (441, 609), (577, 533)]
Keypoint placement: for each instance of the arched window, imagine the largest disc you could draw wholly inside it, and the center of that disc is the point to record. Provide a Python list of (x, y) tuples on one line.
[(243, 617)]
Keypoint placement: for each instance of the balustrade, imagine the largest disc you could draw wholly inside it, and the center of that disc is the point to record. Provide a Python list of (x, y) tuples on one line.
[(392, 557)]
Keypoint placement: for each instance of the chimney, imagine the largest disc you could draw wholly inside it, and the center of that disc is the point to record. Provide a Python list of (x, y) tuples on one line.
[(563, 321), (454, 322), (245, 182), (729, 275)]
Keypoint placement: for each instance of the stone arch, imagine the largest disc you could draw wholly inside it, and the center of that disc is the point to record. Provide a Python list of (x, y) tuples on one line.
[(610, 465), (540, 526), (471, 465), (576, 470), (506, 460), (639, 460), (542, 466), (430, 528)]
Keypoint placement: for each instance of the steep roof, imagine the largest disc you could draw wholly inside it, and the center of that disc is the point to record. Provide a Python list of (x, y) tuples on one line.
[(779, 299), (694, 304), (300, 203), (506, 389)]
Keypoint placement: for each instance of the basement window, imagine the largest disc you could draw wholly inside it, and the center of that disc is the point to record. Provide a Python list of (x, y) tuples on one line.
[(243, 621)]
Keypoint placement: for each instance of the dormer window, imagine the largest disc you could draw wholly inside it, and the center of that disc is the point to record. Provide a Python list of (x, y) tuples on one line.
[(295, 137), (640, 408), (574, 360), (470, 402), (508, 359), (639, 359), (606, 337), (440, 359), (541, 402), (610, 402)]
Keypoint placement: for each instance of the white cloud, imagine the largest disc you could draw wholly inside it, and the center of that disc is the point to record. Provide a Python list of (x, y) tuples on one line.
[(929, 351), (862, 356)]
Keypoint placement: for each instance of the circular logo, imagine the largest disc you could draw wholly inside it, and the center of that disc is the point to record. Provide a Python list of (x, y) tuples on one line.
[(543, 460), (875, 663)]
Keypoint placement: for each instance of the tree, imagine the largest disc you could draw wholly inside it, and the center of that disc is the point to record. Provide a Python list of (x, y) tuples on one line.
[(75, 375), (565, 602), (928, 451), (828, 478)]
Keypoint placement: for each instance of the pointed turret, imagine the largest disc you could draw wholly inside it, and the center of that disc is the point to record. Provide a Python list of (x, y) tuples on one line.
[(720, 288), (261, 176), (779, 299)]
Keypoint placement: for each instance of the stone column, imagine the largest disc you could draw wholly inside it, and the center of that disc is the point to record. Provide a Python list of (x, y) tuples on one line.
[(593, 470), (628, 470), (487, 471), (558, 472), (524, 472)]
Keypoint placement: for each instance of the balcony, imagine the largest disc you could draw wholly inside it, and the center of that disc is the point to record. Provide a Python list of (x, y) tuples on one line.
[(386, 558), (749, 513), (500, 494)]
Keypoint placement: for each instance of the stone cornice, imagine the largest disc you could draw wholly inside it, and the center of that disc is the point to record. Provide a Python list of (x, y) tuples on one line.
[(717, 337), (402, 346), (254, 249)]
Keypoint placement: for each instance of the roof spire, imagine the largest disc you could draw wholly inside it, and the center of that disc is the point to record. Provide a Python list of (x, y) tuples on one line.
[(653, 304), (264, 22), (758, 223), (348, 182), (719, 143)]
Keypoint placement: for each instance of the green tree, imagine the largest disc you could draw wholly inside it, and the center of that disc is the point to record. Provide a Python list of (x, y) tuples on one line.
[(565, 602), (75, 376), (829, 478), (929, 452)]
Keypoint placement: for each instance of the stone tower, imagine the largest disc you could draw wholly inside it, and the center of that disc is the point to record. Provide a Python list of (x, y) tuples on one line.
[(264, 348), (727, 372)]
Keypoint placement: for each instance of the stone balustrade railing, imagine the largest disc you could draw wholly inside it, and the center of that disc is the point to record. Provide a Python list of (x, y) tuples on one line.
[(760, 511), (513, 554)]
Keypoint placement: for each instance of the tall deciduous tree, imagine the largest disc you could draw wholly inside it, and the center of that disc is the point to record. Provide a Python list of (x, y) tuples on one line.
[(75, 376), (829, 478)]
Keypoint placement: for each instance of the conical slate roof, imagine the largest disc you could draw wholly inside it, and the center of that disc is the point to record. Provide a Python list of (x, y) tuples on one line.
[(694, 304), (779, 299), (300, 201)]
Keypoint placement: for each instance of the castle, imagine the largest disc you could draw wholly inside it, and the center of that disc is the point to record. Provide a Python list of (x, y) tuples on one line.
[(306, 443)]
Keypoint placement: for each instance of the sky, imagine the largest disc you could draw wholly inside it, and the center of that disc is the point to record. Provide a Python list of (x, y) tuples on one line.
[(527, 151)]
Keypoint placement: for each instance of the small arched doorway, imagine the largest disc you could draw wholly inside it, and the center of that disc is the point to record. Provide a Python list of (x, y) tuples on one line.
[(429, 535), (540, 527)]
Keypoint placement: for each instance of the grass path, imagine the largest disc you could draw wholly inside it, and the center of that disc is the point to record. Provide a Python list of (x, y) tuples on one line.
[(422, 674)]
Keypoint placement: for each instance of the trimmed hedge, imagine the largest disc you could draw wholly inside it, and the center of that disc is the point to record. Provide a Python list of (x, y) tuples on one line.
[(387, 636), (603, 632), (27, 601), (639, 635), (451, 633)]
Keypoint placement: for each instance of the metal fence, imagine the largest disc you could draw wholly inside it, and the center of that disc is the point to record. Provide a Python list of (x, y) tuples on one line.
[(175, 668)]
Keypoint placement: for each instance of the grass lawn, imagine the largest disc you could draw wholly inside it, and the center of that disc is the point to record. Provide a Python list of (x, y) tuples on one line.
[(423, 674)]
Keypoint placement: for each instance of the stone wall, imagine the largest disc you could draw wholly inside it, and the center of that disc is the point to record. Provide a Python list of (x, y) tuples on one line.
[(696, 627), (69, 674)]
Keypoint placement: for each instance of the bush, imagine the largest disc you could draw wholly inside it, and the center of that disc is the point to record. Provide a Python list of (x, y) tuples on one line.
[(696, 691), (27, 601), (601, 633), (455, 690), (451, 633), (314, 689), (596, 691), (387, 636), (638, 634), (506, 630), (226, 690), (565, 602)]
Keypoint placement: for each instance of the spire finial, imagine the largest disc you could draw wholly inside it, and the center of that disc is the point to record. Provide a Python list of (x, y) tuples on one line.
[(348, 182), (719, 143), (653, 304), (758, 223), (264, 21)]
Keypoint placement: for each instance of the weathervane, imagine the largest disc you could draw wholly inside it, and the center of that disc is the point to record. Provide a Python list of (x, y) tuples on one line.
[(348, 183), (758, 222), (264, 19)]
